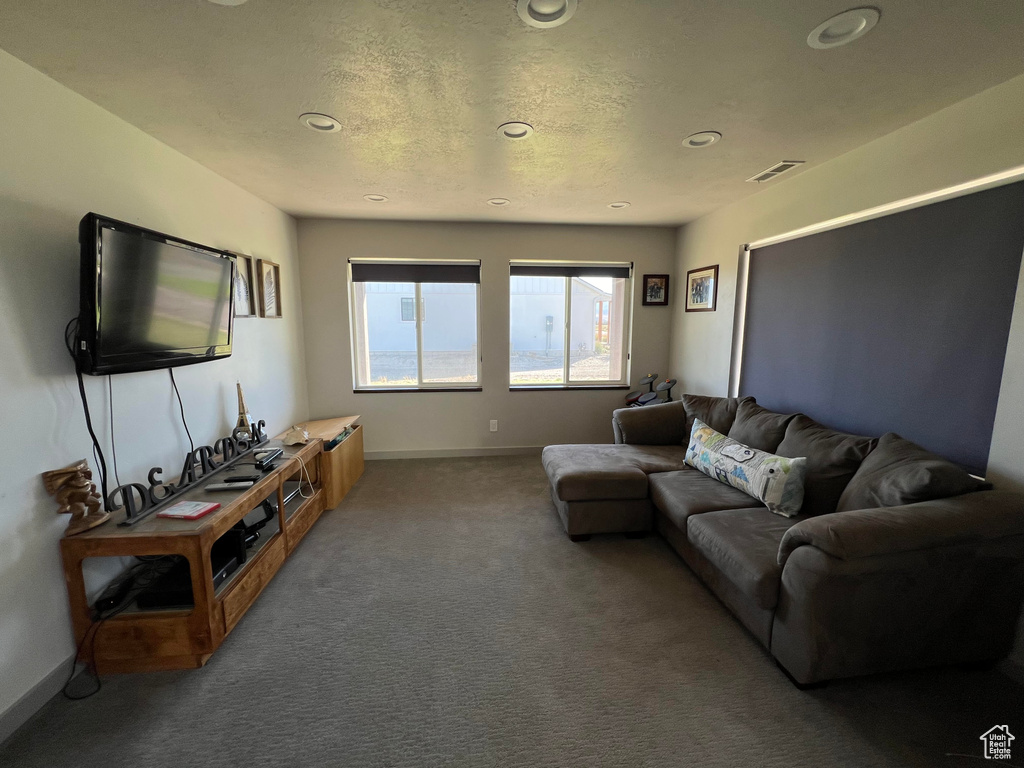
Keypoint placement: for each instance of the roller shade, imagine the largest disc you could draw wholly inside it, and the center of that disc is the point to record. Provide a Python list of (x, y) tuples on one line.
[(415, 272), (569, 270)]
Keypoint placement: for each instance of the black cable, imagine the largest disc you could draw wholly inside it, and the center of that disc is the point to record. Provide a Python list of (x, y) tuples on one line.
[(90, 635), (144, 573), (88, 417), (182, 409), (113, 442)]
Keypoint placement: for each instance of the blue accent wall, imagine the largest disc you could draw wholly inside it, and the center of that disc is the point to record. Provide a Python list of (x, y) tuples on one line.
[(895, 324)]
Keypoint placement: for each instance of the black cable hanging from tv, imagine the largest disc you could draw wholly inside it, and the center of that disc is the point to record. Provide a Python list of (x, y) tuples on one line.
[(113, 440), (70, 343), (181, 408)]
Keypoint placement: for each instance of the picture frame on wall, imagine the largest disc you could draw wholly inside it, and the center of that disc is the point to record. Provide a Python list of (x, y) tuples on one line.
[(655, 291), (269, 274), (245, 294), (702, 289)]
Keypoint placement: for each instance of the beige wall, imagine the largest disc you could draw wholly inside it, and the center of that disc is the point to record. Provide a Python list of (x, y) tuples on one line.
[(63, 156), (453, 422), (971, 139)]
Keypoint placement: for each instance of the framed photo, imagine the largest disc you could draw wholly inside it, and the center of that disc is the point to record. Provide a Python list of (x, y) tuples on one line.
[(702, 289), (655, 291), (245, 296), (269, 287)]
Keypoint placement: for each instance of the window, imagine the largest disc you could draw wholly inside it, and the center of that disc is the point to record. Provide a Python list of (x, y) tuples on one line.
[(568, 324), (408, 309), (415, 325)]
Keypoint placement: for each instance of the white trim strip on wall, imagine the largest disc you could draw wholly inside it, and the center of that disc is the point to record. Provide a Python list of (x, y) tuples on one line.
[(947, 193), (739, 322), (916, 201), (33, 700)]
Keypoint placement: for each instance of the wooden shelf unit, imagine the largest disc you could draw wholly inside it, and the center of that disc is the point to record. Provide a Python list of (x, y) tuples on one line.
[(341, 465), (141, 640)]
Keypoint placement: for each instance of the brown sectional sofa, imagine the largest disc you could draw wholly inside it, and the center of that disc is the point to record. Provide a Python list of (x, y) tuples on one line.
[(829, 594)]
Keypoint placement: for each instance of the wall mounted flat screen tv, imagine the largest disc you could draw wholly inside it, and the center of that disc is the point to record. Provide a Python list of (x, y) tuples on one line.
[(149, 300)]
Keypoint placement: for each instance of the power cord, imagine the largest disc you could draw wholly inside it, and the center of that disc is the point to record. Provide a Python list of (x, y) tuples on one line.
[(113, 442), (143, 573), (69, 342), (181, 407), (309, 481)]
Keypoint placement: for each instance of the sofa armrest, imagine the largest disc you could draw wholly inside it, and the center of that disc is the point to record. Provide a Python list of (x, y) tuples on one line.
[(616, 432), (862, 533), (663, 424)]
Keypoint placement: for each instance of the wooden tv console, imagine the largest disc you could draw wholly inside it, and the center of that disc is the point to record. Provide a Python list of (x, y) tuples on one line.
[(138, 640)]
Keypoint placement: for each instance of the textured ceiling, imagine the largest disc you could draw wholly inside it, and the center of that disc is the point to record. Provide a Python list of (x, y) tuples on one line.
[(420, 87)]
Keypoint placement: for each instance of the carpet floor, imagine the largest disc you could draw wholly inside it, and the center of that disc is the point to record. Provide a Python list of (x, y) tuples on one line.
[(441, 617)]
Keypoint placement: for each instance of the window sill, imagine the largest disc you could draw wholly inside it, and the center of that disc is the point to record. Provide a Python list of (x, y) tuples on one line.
[(388, 390), (559, 387)]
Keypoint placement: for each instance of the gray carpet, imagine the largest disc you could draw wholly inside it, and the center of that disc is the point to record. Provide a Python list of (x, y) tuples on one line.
[(440, 617)]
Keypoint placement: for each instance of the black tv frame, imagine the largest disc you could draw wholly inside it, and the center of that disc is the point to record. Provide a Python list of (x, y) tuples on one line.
[(90, 302)]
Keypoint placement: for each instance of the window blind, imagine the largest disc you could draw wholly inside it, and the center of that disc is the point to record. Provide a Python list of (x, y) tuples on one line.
[(522, 269), (415, 271)]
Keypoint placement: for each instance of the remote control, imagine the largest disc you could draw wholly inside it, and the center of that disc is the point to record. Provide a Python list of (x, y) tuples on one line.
[(228, 486), (243, 478)]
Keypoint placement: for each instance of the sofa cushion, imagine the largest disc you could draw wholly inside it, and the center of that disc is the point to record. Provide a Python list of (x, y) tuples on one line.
[(744, 545), (758, 427), (717, 412), (589, 472), (900, 472), (773, 480), (688, 492), (832, 460)]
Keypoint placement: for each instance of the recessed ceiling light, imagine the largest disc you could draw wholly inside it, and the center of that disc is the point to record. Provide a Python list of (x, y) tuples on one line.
[(702, 139), (619, 204), (515, 130), (498, 202), (843, 28), (227, 2), (319, 123), (546, 13), (375, 198)]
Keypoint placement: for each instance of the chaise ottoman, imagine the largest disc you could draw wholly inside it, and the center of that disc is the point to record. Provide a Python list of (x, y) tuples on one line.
[(603, 488)]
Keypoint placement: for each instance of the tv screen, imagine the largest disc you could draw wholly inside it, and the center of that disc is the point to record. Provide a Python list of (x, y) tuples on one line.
[(149, 300)]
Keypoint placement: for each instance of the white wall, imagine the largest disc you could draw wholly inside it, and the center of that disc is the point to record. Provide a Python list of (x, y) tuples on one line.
[(61, 157), (976, 137), (438, 421)]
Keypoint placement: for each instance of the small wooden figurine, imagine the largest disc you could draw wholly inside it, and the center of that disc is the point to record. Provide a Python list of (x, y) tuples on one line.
[(74, 490)]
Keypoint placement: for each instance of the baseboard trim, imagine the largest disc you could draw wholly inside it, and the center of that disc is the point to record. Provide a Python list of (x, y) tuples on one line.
[(456, 453), (21, 711)]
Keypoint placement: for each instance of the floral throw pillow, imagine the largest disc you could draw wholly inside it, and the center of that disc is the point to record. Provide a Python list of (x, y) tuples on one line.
[(774, 480)]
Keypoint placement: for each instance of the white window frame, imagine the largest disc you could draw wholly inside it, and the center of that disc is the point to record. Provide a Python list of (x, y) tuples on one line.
[(420, 386), (627, 330)]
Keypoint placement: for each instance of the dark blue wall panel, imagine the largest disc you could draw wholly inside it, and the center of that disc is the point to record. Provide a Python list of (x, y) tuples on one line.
[(895, 324)]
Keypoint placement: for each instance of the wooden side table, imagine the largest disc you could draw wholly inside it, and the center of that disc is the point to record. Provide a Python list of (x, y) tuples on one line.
[(342, 465)]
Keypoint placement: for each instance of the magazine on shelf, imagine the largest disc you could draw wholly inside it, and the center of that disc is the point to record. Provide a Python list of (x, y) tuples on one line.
[(189, 510)]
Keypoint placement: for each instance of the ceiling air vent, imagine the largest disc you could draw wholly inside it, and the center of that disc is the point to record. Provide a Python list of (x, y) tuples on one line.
[(770, 173)]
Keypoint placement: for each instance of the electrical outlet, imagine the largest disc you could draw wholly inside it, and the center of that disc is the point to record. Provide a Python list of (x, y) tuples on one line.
[(494, 425)]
